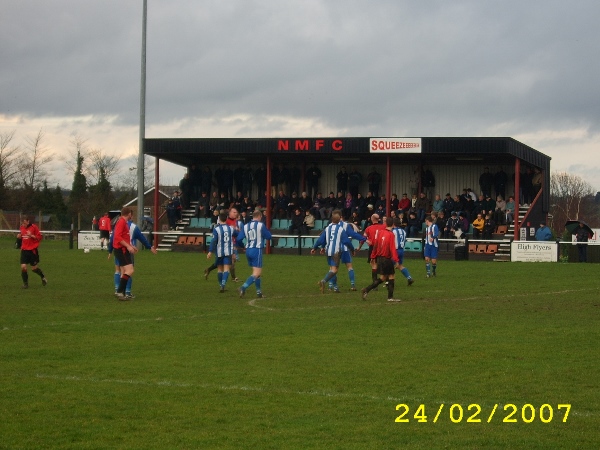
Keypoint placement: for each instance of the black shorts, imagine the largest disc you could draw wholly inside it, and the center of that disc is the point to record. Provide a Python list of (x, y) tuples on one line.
[(123, 256), (31, 257), (385, 266), (104, 234)]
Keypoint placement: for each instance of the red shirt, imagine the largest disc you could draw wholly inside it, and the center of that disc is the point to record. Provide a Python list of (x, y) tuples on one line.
[(30, 236), (371, 231), (121, 233), (104, 223), (384, 245)]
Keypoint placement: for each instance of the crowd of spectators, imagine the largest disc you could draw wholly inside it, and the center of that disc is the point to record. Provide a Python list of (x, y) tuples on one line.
[(454, 215)]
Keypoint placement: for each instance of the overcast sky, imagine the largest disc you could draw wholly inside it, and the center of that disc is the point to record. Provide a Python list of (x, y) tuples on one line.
[(266, 68)]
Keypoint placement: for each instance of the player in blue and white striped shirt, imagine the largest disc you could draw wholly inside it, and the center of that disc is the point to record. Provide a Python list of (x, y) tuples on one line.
[(346, 257), (430, 251), (222, 246), (399, 241), (332, 240), (256, 235)]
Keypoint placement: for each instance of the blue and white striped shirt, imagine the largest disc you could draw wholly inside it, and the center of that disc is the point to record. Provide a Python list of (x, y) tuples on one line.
[(399, 238), (222, 241), (255, 233), (432, 233), (334, 238)]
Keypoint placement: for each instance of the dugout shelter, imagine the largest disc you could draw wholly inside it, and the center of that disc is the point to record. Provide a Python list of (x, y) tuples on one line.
[(455, 162)]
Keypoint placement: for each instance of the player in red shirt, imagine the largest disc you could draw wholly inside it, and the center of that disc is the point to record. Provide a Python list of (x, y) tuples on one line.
[(104, 227), (30, 237), (123, 250), (370, 233), (384, 253)]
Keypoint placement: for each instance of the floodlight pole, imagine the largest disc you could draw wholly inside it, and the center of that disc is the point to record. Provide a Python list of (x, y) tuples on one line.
[(140, 171)]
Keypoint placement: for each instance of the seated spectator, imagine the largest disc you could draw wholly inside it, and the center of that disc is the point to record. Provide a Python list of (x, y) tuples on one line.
[(394, 203), (452, 226), (478, 225), (281, 205), (500, 211), (489, 205), (309, 221), (203, 207), (297, 224), (349, 204), (413, 226), (449, 205), (293, 203), (438, 204), (404, 204), (463, 222), (441, 220), (356, 220), (510, 210), (403, 221), (489, 226), (304, 201), (543, 233), (422, 206)]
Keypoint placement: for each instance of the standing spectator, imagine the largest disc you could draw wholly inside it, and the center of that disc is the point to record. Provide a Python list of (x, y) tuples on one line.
[(582, 236), (432, 233), (428, 181), (500, 180), (486, 180), (536, 182), (195, 177), (94, 224), (543, 233), (394, 203), (238, 178), (255, 233), (354, 180), (312, 180), (374, 180), (260, 178), (104, 226), (227, 181), (349, 205), (283, 179), (206, 180), (294, 179), (526, 186), (123, 250), (281, 205), (247, 179), (319, 208), (185, 184), (30, 237), (342, 181)]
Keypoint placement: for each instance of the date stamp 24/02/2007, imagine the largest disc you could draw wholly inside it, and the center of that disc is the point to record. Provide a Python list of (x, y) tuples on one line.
[(474, 413)]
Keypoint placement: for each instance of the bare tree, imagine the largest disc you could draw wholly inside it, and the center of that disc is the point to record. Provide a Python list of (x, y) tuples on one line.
[(571, 198), (8, 159), (34, 162), (102, 165), (79, 149), (130, 178)]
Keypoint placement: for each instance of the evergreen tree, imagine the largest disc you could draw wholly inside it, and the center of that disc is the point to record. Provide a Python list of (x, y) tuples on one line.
[(78, 200)]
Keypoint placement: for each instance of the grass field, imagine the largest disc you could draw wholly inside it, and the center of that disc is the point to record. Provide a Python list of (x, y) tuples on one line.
[(183, 366)]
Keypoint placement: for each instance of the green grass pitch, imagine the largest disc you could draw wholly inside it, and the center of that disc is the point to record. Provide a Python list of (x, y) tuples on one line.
[(493, 351)]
